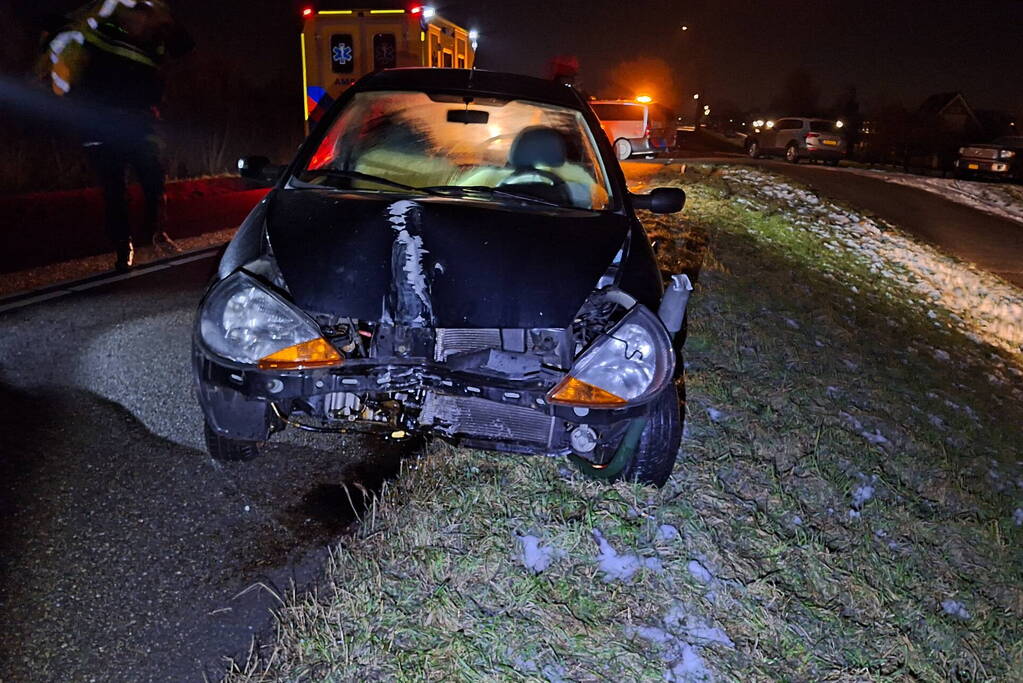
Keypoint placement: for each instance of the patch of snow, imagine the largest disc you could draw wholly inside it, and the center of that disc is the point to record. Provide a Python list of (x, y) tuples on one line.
[(689, 667), (683, 636), (667, 532), (1017, 516), (618, 567), (792, 323), (876, 438), (942, 355), (699, 572), (956, 609), (554, 673), (534, 556), (715, 415), (861, 494)]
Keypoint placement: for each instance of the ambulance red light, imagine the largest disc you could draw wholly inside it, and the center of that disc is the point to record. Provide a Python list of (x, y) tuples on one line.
[(418, 9), (307, 12)]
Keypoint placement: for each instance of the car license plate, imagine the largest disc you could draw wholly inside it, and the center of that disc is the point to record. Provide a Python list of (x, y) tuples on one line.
[(832, 143), (973, 167)]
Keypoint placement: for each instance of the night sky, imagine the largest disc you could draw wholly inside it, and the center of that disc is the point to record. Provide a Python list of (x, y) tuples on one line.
[(893, 51)]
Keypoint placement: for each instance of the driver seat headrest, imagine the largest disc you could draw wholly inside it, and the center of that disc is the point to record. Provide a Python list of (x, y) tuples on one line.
[(538, 145)]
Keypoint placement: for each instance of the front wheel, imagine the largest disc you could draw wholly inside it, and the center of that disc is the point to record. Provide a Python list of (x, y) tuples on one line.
[(649, 459), (792, 154), (229, 450), (623, 149), (753, 150)]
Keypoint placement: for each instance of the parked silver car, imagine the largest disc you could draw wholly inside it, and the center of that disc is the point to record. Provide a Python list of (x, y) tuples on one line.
[(799, 138)]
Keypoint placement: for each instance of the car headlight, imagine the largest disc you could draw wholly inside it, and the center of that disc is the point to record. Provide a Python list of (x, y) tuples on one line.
[(243, 321), (629, 364), (1006, 154)]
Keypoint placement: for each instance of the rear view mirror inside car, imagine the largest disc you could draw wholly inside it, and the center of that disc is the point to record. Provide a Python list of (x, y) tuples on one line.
[(468, 116)]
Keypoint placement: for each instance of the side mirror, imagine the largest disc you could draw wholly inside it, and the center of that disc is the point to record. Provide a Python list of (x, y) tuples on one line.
[(661, 200), (259, 168)]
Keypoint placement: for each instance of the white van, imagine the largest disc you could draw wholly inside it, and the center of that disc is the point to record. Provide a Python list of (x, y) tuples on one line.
[(635, 128)]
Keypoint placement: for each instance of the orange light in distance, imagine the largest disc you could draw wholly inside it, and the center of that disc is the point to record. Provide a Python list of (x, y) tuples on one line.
[(316, 353), (644, 99), (571, 391)]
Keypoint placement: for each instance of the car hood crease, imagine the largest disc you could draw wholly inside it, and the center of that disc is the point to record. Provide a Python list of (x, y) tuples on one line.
[(439, 262)]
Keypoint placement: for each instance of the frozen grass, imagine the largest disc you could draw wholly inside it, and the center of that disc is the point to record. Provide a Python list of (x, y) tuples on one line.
[(843, 508)]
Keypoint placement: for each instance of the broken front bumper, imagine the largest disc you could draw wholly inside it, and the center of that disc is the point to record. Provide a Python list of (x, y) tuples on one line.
[(398, 397)]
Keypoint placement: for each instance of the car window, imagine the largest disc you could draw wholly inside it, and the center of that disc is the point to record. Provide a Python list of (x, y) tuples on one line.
[(438, 141), (823, 127), (619, 112), (789, 124)]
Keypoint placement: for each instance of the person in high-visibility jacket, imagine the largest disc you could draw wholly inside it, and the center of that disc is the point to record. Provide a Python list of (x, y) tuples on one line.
[(110, 59)]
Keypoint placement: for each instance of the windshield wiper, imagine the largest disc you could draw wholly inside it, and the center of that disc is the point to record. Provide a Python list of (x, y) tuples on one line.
[(463, 190), (356, 175)]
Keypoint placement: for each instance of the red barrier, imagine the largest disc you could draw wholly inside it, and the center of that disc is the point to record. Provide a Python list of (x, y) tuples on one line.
[(49, 227)]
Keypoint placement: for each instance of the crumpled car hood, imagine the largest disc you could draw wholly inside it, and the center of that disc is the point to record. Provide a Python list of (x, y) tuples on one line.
[(438, 262)]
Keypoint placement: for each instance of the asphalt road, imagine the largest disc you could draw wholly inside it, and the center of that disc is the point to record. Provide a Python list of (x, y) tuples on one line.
[(991, 242), (126, 553)]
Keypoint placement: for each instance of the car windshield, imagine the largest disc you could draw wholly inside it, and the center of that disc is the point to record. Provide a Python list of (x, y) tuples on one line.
[(484, 148)]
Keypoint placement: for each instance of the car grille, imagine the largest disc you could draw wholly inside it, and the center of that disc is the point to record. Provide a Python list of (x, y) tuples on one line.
[(478, 417), (980, 153), (452, 340)]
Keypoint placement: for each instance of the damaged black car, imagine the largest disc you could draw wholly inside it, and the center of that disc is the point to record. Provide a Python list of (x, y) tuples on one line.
[(452, 253)]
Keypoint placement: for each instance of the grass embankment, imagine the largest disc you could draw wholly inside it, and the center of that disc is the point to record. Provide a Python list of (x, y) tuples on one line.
[(842, 508)]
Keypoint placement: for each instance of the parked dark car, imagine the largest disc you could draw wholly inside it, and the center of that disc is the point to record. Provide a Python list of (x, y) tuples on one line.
[(799, 138), (453, 253), (1002, 158)]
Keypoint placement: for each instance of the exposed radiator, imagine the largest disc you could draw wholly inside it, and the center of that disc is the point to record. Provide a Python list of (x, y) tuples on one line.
[(486, 419), (453, 340)]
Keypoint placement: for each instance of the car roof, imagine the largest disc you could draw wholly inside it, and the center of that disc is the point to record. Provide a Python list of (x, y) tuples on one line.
[(479, 81)]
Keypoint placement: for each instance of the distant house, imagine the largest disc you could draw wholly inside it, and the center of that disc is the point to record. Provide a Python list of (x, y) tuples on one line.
[(949, 112)]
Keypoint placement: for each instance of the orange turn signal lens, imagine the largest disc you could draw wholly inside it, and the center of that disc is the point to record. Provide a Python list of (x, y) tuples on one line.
[(316, 353), (574, 392)]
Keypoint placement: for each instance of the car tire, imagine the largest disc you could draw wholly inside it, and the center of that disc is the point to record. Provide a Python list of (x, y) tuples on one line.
[(831, 162), (623, 149), (655, 456), (792, 154), (229, 450), (753, 150)]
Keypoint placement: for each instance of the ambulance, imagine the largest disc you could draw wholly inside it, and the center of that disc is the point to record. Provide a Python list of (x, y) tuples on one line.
[(341, 44)]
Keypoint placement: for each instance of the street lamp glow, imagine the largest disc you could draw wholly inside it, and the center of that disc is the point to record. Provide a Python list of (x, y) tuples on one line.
[(685, 28), (696, 96), (429, 12), (644, 99), (839, 124), (474, 35)]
